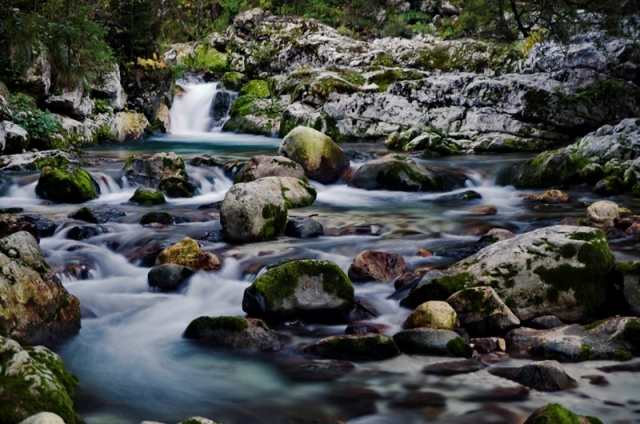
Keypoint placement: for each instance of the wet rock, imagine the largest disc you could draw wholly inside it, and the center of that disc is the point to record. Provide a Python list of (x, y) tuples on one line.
[(547, 322), (320, 157), (147, 196), (249, 213), (67, 185), (379, 266), (187, 253), (432, 314), (558, 270), (97, 214), (419, 400), (626, 367), (429, 341), (10, 224), (602, 214), (163, 171), (269, 166), (400, 173), (546, 376), (168, 277), (207, 160), (303, 227), (407, 279), (234, 333), (34, 379), (489, 344), (315, 370), (45, 226), (83, 232), (555, 413), (44, 418), (368, 347), (484, 210), (363, 327), (481, 311), (500, 394), (549, 196), (596, 380), (630, 274), (161, 218), (363, 310), (310, 290), (454, 367)]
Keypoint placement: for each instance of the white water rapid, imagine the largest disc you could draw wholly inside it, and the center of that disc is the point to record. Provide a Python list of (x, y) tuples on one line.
[(197, 110)]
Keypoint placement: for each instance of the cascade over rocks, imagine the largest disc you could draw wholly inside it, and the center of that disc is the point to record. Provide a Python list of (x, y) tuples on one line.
[(310, 290), (558, 270), (36, 307), (320, 157)]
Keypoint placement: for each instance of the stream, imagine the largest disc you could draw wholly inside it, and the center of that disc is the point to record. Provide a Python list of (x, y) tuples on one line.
[(134, 364)]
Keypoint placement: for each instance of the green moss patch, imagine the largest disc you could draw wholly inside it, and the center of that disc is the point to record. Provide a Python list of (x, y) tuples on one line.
[(197, 327), (554, 414), (148, 197), (459, 348), (69, 186)]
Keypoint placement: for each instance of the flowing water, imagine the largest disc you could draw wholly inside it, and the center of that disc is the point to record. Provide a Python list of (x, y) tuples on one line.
[(134, 365)]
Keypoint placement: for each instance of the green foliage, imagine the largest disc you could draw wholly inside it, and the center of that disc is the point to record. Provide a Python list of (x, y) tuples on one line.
[(41, 125)]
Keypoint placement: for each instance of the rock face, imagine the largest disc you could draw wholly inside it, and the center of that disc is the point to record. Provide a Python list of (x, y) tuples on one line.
[(110, 89), (269, 166), (481, 312), (13, 138), (433, 314), (559, 270), (379, 266), (399, 173), (249, 213), (164, 171), (310, 290), (72, 185), (71, 103), (234, 333), (36, 307), (187, 253), (32, 380), (368, 347), (429, 341), (546, 376), (320, 157)]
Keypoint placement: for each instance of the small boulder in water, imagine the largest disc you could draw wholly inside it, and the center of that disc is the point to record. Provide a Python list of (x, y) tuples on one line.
[(168, 277), (432, 314), (97, 214), (303, 227), (67, 185), (430, 341), (147, 196), (321, 158), (83, 232), (546, 376), (269, 166), (45, 226), (234, 333), (549, 196), (165, 171), (371, 265), (368, 347), (603, 214), (555, 413), (187, 253), (161, 218), (310, 290)]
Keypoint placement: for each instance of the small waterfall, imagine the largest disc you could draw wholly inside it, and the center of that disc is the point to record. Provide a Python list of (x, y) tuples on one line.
[(200, 108)]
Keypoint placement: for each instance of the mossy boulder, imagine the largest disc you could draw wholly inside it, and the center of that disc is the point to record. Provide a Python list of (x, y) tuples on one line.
[(320, 157), (36, 308), (234, 80), (147, 196), (433, 314), (34, 380), (177, 187), (72, 185), (482, 313), (309, 290), (269, 166), (187, 253), (559, 270), (400, 173), (258, 89), (249, 213), (370, 265), (546, 376), (234, 333), (553, 413), (367, 347), (431, 341)]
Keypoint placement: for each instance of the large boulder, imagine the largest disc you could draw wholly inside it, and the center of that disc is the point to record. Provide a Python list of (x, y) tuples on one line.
[(269, 166), (70, 185), (367, 347), (310, 290), (371, 265), (234, 333), (13, 138), (481, 311), (36, 307), (559, 270), (187, 253), (164, 171), (546, 376), (34, 380), (320, 157), (400, 173), (250, 213)]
